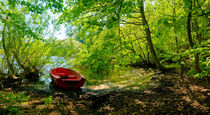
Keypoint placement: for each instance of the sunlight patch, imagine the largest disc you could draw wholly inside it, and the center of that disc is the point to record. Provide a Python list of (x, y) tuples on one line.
[(99, 87), (140, 103)]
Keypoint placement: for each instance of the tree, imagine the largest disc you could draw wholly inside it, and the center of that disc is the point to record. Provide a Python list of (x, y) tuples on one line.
[(189, 33), (148, 35), (102, 15), (22, 30)]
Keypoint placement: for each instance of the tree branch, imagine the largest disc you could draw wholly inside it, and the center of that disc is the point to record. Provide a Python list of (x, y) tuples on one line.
[(127, 22)]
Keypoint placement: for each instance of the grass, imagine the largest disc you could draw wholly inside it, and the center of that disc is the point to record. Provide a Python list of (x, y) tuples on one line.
[(129, 79)]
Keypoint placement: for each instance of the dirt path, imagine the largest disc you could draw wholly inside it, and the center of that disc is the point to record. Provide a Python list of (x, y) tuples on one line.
[(172, 96)]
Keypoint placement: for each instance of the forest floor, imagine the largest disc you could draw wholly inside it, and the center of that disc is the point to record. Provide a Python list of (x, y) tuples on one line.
[(175, 94)]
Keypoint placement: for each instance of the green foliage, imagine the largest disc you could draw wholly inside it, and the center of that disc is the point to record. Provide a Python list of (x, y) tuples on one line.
[(203, 50), (24, 23), (65, 48), (199, 75), (97, 53), (13, 101), (103, 35), (48, 100), (112, 34), (192, 72)]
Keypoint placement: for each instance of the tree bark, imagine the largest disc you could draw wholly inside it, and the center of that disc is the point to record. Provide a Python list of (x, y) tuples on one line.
[(10, 67), (197, 65), (199, 37), (189, 28), (148, 35)]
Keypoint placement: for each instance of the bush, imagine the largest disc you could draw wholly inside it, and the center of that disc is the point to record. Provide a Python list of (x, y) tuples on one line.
[(48, 100)]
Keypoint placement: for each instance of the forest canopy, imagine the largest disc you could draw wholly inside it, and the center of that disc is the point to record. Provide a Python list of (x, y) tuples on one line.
[(106, 35), (156, 33)]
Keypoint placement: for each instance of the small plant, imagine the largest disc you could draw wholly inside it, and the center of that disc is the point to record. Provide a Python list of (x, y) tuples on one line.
[(201, 75), (191, 72), (14, 110), (198, 75), (12, 101), (48, 100)]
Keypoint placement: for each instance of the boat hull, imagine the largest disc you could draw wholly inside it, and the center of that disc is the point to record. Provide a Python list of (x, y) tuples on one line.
[(66, 78)]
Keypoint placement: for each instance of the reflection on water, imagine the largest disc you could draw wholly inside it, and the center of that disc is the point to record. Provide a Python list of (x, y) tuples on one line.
[(45, 80), (123, 79)]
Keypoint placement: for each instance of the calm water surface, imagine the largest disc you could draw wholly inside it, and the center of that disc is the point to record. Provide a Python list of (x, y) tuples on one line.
[(122, 79)]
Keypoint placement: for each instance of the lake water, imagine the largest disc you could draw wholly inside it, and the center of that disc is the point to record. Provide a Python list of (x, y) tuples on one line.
[(121, 79)]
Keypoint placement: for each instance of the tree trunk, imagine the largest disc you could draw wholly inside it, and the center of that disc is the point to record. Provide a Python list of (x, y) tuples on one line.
[(6, 52), (189, 29), (148, 35), (197, 65), (118, 16), (199, 37)]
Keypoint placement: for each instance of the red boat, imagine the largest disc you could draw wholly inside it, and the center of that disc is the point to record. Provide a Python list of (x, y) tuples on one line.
[(66, 78)]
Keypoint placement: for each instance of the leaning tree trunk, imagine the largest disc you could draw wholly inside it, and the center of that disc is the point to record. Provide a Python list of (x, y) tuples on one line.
[(148, 35), (197, 65), (6, 52)]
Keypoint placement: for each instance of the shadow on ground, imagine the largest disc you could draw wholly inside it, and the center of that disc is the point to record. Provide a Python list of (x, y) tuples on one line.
[(174, 94)]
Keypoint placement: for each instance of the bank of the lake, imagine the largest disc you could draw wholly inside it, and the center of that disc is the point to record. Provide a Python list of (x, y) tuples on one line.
[(132, 91)]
